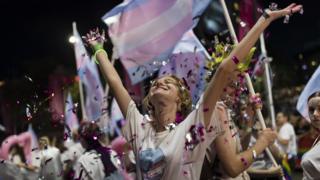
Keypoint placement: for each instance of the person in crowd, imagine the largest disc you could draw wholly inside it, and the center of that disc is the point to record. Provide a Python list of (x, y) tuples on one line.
[(287, 140), (305, 142), (163, 147), (311, 160), (126, 156), (48, 159), (72, 153), (263, 168), (226, 157), (16, 154), (98, 161)]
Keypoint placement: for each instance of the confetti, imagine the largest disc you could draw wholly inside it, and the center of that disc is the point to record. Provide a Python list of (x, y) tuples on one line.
[(245, 163), (194, 137), (65, 136), (179, 118), (48, 160), (301, 11), (242, 24), (28, 78), (28, 113), (286, 19), (80, 175), (273, 6)]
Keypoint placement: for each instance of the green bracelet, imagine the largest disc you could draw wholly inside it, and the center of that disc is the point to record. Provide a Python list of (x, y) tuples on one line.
[(95, 55), (97, 47)]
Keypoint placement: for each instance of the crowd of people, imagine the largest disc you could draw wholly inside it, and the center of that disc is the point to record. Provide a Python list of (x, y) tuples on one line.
[(219, 138)]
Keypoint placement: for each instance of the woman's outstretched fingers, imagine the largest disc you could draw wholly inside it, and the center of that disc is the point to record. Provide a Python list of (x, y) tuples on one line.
[(296, 9)]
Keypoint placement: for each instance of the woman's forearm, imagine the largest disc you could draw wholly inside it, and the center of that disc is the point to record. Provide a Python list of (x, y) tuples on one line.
[(228, 66), (242, 49), (113, 79)]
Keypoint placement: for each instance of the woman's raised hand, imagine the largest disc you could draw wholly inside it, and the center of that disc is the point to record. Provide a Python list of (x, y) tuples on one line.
[(273, 13), (95, 38)]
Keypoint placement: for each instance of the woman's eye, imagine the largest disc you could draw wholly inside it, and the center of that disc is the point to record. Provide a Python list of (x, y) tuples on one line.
[(311, 110), (169, 82), (153, 83)]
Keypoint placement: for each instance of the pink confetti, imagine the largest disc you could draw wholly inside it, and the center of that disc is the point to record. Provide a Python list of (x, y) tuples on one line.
[(234, 134), (142, 124), (245, 163), (65, 136), (205, 109)]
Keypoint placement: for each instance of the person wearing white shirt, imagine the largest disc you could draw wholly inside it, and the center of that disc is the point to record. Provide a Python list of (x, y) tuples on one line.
[(287, 138), (311, 160)]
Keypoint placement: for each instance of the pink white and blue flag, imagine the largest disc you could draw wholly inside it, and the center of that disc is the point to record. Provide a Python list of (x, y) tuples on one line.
[(187, 62), (145, 32), (34, 139), (312, 86), (89, 76), (71, 118)]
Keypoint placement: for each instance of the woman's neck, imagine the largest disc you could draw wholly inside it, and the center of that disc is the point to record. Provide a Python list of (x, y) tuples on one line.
[(163, 115)]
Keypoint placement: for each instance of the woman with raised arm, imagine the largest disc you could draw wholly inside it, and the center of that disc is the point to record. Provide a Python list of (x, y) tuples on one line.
[(311, 160), (226, 158), (164, 148)]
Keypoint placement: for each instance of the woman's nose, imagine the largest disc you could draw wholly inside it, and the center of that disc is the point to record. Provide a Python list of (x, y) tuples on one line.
[(159, 83)]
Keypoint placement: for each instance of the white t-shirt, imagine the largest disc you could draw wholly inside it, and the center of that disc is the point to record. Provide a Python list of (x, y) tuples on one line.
[(167, 148), (89, 166), (73, 153), (287, 132), (311, 163), (218, 170), (51, 165)]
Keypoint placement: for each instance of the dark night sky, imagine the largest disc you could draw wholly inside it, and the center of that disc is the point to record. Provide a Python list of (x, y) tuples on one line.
[(35, 34)]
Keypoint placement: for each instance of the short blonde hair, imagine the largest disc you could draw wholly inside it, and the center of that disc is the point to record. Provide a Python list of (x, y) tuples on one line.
[(183, 93)]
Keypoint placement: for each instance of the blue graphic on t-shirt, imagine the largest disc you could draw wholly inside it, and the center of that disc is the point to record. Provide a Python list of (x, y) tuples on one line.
[(152, 163)]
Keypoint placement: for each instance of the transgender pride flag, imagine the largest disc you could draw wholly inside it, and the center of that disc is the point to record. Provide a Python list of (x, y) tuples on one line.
[(144, 32), (71, 118), (188, 62), (89, 75), (312, 86)]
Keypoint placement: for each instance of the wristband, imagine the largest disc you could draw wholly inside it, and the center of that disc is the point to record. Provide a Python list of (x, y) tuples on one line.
[(265, 14), (97, 47), (95, 55)]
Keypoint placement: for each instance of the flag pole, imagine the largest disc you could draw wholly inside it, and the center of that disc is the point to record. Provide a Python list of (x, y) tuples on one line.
[(248, 80), (266, 63), (83, 111)]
